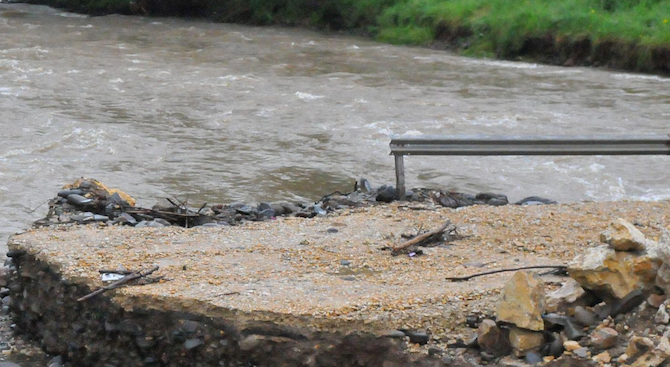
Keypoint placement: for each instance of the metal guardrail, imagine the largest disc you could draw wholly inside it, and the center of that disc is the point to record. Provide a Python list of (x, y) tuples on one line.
[(478, 145)]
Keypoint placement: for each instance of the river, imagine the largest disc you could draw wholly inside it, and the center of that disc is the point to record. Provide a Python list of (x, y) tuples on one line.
[(219, 113)]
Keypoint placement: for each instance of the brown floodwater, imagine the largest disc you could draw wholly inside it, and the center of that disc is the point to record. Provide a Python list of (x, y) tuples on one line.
[(219, 113)]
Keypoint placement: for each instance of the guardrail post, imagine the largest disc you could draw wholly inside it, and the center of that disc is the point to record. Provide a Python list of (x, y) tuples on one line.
[(399, 177)]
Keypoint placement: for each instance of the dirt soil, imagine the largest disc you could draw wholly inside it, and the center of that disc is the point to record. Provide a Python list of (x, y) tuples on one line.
[(329, 273)]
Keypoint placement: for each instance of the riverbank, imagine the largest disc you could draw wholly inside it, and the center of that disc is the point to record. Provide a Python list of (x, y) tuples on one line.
[(295, 291), (618, 34)]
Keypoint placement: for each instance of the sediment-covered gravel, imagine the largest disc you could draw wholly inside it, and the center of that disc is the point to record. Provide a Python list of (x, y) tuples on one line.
[(329, 273)]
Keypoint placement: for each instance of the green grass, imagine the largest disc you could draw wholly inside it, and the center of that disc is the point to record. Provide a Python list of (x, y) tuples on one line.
[(495, 27)]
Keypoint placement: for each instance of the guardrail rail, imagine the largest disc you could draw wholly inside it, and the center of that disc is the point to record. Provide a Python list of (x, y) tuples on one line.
[(481, 145)]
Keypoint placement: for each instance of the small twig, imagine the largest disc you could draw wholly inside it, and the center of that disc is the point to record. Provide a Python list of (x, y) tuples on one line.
[(202, 207), (128, 278), (37, 207), (464, 279), (418, 239)]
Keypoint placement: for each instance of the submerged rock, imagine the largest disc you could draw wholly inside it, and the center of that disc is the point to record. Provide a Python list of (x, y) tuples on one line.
[(522, 301)]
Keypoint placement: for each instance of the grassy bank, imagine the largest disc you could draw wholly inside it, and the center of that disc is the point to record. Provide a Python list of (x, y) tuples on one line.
[(627, 34)]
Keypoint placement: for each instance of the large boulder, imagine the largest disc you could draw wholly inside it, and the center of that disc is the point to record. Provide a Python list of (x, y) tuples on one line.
[(615, 274), (522, 301), (623, 236)]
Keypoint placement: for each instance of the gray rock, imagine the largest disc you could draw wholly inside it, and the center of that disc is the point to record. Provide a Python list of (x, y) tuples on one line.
[(163, 222), (9, 364), (345, 262), (193, 343)]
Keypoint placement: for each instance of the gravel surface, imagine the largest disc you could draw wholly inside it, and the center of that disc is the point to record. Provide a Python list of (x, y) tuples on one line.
[(330, 273)]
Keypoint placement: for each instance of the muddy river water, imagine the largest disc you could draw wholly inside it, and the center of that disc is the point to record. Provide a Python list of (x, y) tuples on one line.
[(220, 113)]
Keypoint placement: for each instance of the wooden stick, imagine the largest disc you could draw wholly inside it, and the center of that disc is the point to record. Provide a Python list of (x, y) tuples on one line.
[(122, 272), (128, 278), (423, 237), (463, 279)]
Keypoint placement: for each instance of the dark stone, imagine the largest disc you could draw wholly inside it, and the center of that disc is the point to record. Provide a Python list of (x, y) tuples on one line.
[(345, 262), (290, 208), (534, 200), (533, 358), (332, 230), (386, 194), (472, 321), (278, 209), (395, 334), (266, 214), (418, 337), (246, 210), (585, 317), (127, 218), (15, 253), (497, 202), (552, 320), (572, 332), (263, 206), (626, 304), (556, 346), (78, 200)]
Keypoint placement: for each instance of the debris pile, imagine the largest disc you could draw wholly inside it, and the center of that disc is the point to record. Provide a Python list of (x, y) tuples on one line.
[(90, 201), (612, 311)]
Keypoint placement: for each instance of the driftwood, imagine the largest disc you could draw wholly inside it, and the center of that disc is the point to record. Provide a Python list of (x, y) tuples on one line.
[(426, 237), (560, 268), (121, 282)]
